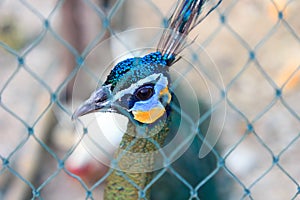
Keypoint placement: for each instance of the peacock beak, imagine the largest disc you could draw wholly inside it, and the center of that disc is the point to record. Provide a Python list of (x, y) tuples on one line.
[(99, 101)]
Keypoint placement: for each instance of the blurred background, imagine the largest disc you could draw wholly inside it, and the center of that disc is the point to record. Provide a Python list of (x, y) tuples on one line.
[(47, 48)]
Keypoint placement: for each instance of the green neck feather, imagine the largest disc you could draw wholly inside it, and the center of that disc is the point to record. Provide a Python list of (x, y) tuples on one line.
[(135, 163)]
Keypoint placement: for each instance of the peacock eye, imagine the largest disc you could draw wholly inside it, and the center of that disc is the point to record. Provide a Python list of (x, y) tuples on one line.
[(145, 92)]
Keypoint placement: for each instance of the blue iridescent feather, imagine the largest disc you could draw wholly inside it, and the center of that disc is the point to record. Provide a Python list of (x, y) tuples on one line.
[(151, 60)]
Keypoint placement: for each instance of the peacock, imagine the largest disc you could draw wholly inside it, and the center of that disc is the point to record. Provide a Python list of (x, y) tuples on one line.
[(140, 89)]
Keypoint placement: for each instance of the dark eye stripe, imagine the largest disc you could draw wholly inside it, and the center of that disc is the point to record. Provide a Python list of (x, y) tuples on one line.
[(127, 101)]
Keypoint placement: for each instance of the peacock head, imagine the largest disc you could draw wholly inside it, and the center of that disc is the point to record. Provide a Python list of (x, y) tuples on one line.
[(137, 88)]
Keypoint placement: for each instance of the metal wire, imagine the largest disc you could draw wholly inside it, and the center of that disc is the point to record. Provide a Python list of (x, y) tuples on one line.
[(253, 59)]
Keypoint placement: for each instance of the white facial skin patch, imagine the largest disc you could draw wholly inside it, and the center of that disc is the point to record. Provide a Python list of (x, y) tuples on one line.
[(150, 110)]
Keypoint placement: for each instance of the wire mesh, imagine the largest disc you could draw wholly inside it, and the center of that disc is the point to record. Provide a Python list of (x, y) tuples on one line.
[(254, 44)]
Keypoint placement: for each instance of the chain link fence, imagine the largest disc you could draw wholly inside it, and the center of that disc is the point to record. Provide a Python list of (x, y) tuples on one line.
[(46, 49)]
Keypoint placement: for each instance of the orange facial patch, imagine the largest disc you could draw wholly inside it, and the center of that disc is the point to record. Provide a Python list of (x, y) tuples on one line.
[(165, 91), (148, 117)]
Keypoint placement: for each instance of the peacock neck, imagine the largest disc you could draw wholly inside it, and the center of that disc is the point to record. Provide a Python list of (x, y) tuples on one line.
[(135, 162)]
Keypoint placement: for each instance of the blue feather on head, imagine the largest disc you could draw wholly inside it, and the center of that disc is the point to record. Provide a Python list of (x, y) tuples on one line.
[(155, 61)]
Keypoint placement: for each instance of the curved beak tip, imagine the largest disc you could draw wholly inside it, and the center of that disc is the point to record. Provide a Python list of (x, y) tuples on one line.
[(74, 116), (83, 110)]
